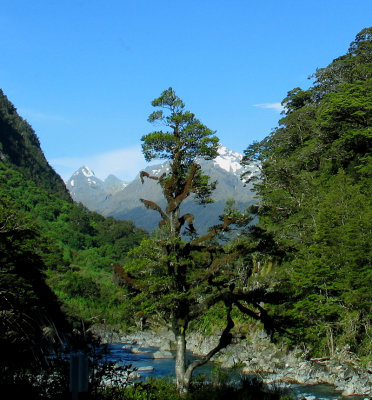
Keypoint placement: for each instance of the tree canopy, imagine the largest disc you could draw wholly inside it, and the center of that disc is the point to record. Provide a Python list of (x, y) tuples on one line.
[(314, 190)]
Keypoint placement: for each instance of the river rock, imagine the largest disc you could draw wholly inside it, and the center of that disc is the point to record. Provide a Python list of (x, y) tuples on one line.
[(146, 368), (166, 345), (201, 345), (160, 339), (194, 342), (137, 350), (230, 362), (258, 354), (106, 334), (126, 376), (162, 354)]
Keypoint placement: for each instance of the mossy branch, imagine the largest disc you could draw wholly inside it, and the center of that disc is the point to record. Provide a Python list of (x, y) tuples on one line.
[(189, 218), (153, 206), (147, 175), (174, 203), (215, 264), (227, 221), (120, 273)]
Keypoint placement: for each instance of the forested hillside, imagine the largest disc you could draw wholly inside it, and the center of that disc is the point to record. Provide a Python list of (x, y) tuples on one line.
[(55, 256), (20, 147), (83, 245), (314, 192)]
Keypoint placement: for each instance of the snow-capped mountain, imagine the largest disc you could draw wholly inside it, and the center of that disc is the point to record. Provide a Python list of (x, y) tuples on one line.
[(91, 191), (123, 203), (82, 177), (229, 160)]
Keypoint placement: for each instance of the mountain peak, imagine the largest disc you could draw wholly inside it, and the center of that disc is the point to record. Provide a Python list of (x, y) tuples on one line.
[(86, 188), (113, 184), (228, 160), (83, 176), (86, 171)]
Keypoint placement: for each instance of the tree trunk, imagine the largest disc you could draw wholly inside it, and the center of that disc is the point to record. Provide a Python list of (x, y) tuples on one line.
[(180, 367)]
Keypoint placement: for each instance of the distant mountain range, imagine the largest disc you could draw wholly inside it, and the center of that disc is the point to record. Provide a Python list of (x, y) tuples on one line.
[(91, 191), (113, 197)]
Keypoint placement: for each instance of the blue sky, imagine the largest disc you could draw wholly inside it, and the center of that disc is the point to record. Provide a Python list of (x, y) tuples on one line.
[(84, 72)]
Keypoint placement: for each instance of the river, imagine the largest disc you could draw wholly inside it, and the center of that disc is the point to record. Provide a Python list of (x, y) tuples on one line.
[(165, 367)]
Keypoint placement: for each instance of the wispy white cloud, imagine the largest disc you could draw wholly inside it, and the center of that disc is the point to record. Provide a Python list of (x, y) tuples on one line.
[(33, 115), (124, 163), (273, 106)]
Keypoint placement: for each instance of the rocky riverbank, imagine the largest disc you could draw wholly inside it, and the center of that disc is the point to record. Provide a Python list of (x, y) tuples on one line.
[(257, 355)]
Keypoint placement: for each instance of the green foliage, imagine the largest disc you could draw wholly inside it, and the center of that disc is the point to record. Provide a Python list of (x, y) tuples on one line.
[(20, 149), (77, 249), (55, 265), (188, 134), (331, 276), (53, 239), (26, 303), (157, 294), (153, 389), (219, 388), (315, 202), (185, 140)]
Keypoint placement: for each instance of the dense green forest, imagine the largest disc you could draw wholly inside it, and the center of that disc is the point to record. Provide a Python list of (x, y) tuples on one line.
[(310, 251), (55, 256), (76, 246), (314, 191)]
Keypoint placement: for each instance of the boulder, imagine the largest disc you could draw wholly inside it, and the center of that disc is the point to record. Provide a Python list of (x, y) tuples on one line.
[(162, 354), (230, 362), (138, 350), (166, 345), (146, 368)]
